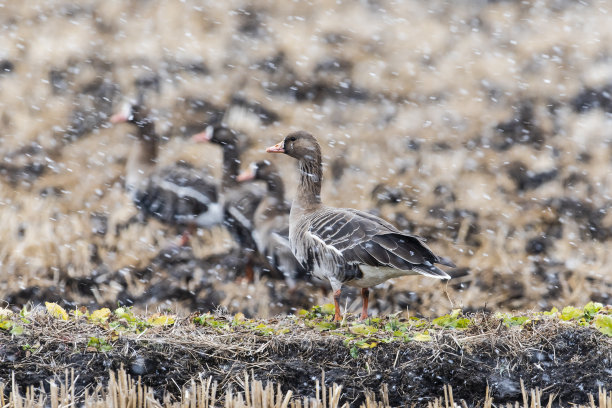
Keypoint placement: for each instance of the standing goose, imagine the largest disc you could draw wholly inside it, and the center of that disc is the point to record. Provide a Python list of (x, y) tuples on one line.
[(343, 245), (177, 195), (240, 200), (271, 222)]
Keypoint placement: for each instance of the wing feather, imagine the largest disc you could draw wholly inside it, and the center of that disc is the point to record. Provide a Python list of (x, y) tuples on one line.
[(240, 205), (176, 194), (405, 247), (361, 238)]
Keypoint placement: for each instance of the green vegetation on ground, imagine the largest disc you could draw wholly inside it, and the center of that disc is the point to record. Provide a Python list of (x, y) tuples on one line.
[(356, 334)]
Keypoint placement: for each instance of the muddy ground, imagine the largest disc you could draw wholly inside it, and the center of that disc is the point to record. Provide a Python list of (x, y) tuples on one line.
[(561, 359)]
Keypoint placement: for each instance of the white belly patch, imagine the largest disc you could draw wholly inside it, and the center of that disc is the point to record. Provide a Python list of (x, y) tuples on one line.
[(375, 275)]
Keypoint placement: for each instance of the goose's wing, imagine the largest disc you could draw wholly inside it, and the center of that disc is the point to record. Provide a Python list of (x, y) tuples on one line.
[(281, 257), (240, 205), (177, 194), (359, 238)]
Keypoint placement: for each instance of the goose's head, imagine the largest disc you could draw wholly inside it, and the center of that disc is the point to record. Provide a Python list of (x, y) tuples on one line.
[(260, 170), (136, 114), (220, 135), (300, 145)]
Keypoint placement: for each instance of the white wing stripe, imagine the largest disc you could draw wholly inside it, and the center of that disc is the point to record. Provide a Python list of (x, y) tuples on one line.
[(238, 216), (330, 247), (185, 191)]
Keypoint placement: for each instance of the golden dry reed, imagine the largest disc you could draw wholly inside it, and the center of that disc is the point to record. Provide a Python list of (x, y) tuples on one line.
[(123, 392)]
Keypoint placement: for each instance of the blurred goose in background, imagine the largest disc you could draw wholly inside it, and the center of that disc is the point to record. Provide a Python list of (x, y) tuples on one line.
[(271, 222), (343, 245), (178, 195), (240, 200)]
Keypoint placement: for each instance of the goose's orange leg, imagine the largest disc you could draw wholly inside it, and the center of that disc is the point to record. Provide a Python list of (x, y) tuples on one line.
[(337, 316), (187, 233), (249, 273), (365, 293)]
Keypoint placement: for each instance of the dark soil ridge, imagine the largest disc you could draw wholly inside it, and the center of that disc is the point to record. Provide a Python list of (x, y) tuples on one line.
[(561, 358)]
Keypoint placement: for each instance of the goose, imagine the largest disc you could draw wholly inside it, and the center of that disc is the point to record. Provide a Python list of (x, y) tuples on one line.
[(240, 200), (344, 245), (177, 195), (271, 222)]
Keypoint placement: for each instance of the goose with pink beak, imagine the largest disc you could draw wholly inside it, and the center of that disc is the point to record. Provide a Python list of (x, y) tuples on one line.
[(343, 245)]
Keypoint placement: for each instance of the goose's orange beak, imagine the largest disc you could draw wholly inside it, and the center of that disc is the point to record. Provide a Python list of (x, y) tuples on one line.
[(277, 148), (245, 176)]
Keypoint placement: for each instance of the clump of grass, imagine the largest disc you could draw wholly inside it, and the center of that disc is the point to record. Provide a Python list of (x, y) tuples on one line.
[(374, 331), (452, 320), (238, 323), (593, 314), (12, 324), (357, 335), (121, 320), (98, 344)]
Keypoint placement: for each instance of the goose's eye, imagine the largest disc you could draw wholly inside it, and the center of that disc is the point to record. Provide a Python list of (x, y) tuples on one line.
[(292, 139)]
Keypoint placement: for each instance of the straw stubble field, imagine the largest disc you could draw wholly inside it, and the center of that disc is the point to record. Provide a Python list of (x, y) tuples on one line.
[(483, 127)]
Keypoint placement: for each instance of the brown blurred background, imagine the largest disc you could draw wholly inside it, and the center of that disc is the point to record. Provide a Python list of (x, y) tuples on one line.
[(483, 126)]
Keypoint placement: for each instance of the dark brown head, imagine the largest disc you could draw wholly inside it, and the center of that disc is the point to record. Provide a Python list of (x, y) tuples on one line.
[(220, 135), (262, 170), (135, 114), (300, 145)]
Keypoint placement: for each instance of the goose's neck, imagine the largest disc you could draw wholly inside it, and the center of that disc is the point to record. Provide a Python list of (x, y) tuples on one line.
[(143, 155), (275, 187), (148, 143), (309, 189), (231, 165)]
